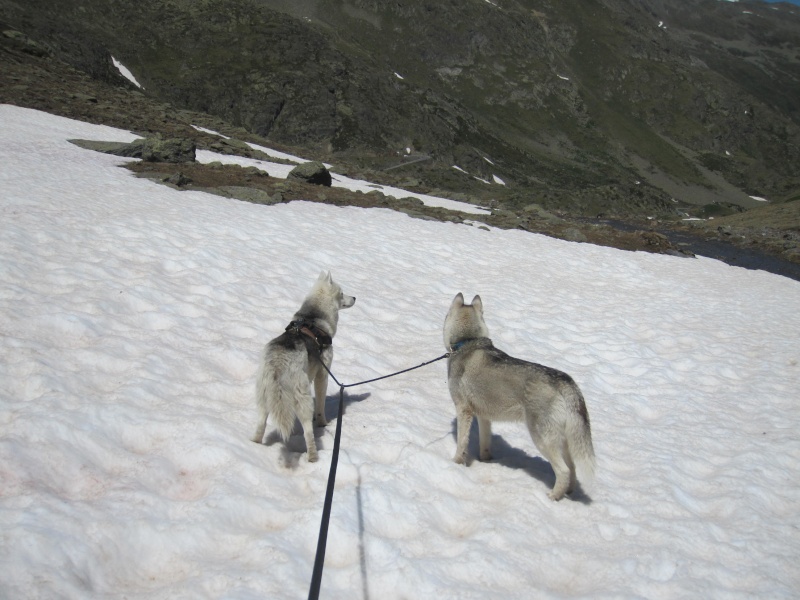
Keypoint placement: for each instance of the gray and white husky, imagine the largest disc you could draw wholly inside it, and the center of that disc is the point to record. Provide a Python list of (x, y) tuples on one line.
[(489, 384), (293, 361)]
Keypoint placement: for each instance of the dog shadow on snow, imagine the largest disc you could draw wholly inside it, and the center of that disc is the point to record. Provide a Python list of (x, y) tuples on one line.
[(508, 456), (294, 450)]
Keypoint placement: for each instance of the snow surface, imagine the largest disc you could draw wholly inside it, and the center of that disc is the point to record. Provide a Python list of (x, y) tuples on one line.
[(132, 317), (211, 131), (126, 73), (495, 178)]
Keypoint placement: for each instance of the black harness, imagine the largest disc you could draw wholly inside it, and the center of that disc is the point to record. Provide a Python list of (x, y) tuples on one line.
[(301, 327)]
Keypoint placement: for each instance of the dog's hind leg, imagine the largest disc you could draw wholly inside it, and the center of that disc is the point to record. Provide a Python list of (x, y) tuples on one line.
[(463, 425), (263, 379), (320, 391), (304, 409), (263, 413), (311, 443), (485, 438), (554, 450), (573, 477), (563, 478)]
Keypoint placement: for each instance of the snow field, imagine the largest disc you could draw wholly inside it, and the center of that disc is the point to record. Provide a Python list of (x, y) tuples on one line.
[(132, 318)]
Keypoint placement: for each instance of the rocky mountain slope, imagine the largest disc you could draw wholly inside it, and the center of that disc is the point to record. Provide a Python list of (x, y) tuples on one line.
[(625, 109), (593, 106)]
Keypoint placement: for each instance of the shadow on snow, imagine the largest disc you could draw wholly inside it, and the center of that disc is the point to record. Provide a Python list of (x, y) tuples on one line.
[(507, 456)]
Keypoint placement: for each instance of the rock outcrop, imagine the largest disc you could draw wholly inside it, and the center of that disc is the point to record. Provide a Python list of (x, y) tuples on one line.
[(150, 149), (312, 172)]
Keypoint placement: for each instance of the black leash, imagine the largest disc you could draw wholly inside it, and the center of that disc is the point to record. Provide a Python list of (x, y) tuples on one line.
[(316, 577)]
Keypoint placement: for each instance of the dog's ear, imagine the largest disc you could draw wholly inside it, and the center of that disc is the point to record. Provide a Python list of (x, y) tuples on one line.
[(458, 301), (477, 303), (325, 276)]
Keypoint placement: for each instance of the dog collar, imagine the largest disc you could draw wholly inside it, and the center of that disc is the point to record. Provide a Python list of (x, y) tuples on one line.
[(460, 344), (322, 339)]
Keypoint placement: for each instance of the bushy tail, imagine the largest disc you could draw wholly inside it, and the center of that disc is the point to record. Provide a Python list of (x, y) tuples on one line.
[(282, 413), (275, 399), (579, 440)]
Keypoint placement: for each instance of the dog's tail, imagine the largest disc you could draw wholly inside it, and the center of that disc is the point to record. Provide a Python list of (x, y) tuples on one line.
[(276, 397), (283, 413), (579, 439)]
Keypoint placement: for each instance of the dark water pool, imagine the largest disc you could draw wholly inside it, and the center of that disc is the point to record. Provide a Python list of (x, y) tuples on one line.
[(720, 250)]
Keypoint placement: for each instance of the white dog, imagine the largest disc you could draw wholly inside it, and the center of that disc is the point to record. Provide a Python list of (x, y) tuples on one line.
[(489, 384), (293, 360)]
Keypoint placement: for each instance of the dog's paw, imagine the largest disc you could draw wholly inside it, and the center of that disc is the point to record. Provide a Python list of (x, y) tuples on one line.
[(313, 457), (320, 422), (485, 456), (459, 459), (555, 496)]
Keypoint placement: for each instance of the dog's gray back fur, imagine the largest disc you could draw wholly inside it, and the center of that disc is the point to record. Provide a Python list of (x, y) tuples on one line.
[(294, 360), (490, 385)]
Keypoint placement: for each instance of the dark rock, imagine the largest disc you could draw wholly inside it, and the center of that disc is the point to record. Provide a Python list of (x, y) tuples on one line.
[(23, 43), (85, 97), (177, 179), (538, 212), (681, 253), (656, 242), (409, 202), (172, 150), (152, 149), (235, 147), (410, 183), (793, 254), (131, 150), (312, 172), (573, 234), (251, 172), (247, 194)]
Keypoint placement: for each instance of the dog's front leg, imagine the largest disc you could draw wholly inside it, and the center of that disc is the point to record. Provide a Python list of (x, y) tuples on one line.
[(463, 425), (320, 391)]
